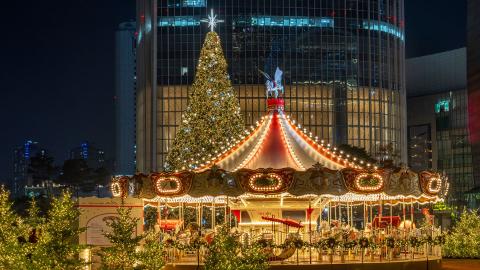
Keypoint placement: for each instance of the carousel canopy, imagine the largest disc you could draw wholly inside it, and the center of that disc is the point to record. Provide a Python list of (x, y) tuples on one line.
[(278, 143), (348, 184), (279, 158)]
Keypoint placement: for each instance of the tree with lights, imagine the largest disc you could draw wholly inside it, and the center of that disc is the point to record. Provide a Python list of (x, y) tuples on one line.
[(212, 116), (13, 236), (464, 240), (226, 253), (151, 255), (122, 253), (253, 258), (55, 240)]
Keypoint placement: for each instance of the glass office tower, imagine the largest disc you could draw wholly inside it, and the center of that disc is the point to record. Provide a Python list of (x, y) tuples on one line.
[(473, 74), (343, 63)]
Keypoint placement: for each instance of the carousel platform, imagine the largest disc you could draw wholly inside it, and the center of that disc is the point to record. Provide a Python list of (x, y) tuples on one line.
[(432, 263)]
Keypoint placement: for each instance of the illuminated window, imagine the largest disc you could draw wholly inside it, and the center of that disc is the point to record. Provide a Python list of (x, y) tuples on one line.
[(384, 27), (193, 3), (178, 21), (184, 71), (186, 3), (442, 106), (286, 21)]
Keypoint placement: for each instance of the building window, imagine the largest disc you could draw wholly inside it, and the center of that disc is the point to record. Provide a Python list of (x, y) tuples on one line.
[(442, 106), (184, 71)]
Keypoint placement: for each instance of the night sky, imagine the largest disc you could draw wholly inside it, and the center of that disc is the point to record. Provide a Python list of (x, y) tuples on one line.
[(57, 63)]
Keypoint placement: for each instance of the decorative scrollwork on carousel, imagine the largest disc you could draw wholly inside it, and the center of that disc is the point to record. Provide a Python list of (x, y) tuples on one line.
[(172, 184), (364, 181), (119, 186), (266, 181), (431, 183)]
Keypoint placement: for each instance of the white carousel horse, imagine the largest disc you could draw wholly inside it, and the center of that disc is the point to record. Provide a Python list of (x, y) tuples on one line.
[(274, 87)]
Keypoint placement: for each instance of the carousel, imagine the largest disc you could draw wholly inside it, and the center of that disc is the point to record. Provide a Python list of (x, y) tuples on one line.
[(305, 201)]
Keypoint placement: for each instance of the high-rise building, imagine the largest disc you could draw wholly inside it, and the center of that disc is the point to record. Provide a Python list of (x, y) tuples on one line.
[(125, 86), (21, 162), (438, 119), (94, 156), (343, 64), (473, 67)]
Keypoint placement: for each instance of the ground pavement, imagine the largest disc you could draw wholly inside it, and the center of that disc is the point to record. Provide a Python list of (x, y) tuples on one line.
[(460, 264)]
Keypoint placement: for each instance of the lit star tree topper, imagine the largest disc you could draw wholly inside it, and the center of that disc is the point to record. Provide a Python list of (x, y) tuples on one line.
[(212, 20)]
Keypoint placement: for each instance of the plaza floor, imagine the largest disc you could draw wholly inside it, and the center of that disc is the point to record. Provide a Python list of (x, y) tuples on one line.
[(452, 264)]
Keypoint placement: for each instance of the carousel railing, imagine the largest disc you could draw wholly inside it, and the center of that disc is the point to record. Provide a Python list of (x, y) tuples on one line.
[(322, 246)]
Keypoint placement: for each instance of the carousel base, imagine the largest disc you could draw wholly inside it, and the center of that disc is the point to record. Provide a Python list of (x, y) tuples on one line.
[(417, 264)]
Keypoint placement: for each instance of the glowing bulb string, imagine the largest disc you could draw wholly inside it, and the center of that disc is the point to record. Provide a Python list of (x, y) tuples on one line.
[(236, 147), (296, 131)]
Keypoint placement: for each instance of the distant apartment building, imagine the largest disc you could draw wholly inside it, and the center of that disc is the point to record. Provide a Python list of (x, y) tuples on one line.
[(438, 135), (125, 87), (22, 156), (94, 157)]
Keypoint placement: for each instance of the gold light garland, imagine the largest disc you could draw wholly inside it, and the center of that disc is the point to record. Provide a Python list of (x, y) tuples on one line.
[(320, 149), (271, 188), (434, 189), (116, 189), (119, 186), (376, 187), (172, 191), (289, 146)]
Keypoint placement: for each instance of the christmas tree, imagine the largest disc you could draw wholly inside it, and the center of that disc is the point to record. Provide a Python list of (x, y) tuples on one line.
[(223, 251), (464, 240), (253, 258), (151, 256), (55, 243), (227, 253), (13, 236), (212, 116), (122, 253)]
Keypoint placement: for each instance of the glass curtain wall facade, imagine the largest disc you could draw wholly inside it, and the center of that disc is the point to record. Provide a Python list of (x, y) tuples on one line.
[(454, 149), (420, 147), (473, 67), (343, 63)]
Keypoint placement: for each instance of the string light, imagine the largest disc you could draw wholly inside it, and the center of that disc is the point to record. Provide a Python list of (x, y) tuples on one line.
[(172, 191), (434, 185), (269, 188), (222, 157), (317, 149), (116, 189), (289, 147), (257, 146), (377, 187)]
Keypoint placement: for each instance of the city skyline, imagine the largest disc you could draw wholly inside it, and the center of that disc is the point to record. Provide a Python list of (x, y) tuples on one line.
[(61, 91)]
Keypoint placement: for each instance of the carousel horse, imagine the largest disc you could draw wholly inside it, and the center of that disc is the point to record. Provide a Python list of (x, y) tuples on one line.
[(367, 232), (286, 252), (407, 225), (353, 234), (428, 217)]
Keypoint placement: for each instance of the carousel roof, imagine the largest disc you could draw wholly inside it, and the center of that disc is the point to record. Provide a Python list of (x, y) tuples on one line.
[(278, 143), (278, 158)]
